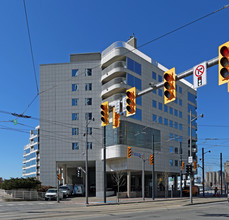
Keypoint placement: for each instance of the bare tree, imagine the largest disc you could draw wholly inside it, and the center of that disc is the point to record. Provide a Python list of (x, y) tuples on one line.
[(119, 180)]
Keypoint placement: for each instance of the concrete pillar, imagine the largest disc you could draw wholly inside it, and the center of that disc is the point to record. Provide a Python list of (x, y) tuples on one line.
[(65, 174), (128, 183)]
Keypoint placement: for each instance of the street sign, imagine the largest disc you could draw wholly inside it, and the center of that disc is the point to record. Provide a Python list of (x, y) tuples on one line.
[(190, 159), (124, 103), (117, 106), (199, 75)]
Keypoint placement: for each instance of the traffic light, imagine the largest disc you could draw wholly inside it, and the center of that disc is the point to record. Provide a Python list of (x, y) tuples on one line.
[(151, 159), (182, 165), (169, 86), (105, 113), (116, 121), (189, 169), (59, 176), (79, 172), (130, 101), (224, 63), (194, 165), (129, 152)]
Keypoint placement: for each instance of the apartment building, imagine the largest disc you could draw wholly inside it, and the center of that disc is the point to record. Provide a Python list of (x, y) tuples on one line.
[(70, 99), (31, 156)]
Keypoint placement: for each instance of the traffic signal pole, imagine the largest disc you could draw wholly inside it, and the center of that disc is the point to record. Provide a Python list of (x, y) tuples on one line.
[(186, 73)]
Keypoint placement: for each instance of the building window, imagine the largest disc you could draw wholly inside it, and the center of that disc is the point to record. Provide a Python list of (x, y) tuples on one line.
[(180, 127), (175, 112), (75, 116), (176, 150), (176, 163), (180, 102), (88, 101), (165, 121), (191, 98), (88, 86), (160, 92), (75, 131), (75, 72), (171, 136), (180, 114), (171, 123), (165, 108), (75, 102), (137, 115), (75, 146), (134, 81), (171, 163), (154, 104), (134, 66), (171, 110), (154, 118), (160, 120), (160, 105), (176, 125), (89, 131), (75, 87), (154, 75), (88, 72), (159, 78), (170, 149), (88, 116), (176, 137), (89, 145)]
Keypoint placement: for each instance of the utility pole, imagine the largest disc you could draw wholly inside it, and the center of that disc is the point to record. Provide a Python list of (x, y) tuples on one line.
[(190, 175), (104, 164), (86, 161), (143, 178), (181, 169), (221, 173), (58, 189), (203, 171), (153, 191)]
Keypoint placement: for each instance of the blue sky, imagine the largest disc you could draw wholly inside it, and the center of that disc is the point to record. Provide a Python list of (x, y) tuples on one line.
[(59, 28)]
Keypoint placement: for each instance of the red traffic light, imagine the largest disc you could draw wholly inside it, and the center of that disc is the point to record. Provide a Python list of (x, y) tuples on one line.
[(224, 51)]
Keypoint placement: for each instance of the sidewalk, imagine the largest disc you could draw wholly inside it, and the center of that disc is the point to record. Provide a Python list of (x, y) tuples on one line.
[(94, 201)]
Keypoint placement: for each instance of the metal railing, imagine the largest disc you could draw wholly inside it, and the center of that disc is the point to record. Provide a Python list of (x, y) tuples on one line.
[(22, 195)]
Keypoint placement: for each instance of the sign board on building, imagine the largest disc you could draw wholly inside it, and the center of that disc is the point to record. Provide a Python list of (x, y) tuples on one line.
[(200, 75), (190, 159)]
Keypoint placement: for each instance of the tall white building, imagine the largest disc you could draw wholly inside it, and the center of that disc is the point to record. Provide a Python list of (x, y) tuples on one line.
[(72, 92), (31, 156)]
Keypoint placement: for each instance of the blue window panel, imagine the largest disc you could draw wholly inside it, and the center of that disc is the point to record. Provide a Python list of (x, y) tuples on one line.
[(88, 115), (171, 163), (170, 149), (154, 75), (75, 146), (75, 102), (137, 115), (134, 66), (180, 114), (139, 100), (175, 101), (180, 127), (180, 139), (160, 105), (192, 109), (175, 112), (176, 125), (35, 147), (75, 131), (88, 72), (160, 121), (75, 116), (191, 98), (160, 92), (159, 78), (166, 121), (171, 110), (75, 72), (74, 87), (154, 91), (27, 151), (171, 136), (138, 83), (180, 102), (134, 82), (171, 123), (165, 108), (154, 118), (176, 137), (154, 103)]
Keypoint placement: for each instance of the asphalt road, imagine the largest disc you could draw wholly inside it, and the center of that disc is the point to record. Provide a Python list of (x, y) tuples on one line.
[(157, 210)]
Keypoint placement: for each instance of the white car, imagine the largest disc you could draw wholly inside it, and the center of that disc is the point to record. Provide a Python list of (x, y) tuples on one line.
[(52, 194), (65, 190)]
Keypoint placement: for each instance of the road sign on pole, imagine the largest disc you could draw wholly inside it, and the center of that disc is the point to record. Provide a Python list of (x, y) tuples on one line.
[(200, 75)]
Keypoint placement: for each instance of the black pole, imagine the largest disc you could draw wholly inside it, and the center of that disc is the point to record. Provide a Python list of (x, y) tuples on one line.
[(181, 169), (221, 173), (153, 191), (203, 171), (104, 168)]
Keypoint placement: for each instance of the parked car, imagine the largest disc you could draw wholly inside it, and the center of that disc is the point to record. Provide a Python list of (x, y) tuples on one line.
[(79, 189), (70, 186), (65, 191), (51, 194), (195, 190)]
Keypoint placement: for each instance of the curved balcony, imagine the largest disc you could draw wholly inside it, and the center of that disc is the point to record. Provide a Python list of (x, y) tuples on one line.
[(118, 51), (117, 85), (115, 70)]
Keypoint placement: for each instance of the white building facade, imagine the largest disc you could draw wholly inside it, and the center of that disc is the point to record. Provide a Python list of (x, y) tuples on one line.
[(73, 92)]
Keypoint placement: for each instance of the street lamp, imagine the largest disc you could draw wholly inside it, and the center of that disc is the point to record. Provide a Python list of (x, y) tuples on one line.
[(86, 159), (203, 168), (191, 158)]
